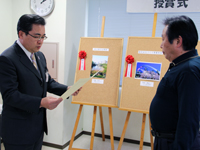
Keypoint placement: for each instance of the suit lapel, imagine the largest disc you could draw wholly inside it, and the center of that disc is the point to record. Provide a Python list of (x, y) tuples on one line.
[(26, 61)]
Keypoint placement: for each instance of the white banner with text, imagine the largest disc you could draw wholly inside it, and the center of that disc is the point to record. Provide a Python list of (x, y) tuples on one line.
[(156, 6)]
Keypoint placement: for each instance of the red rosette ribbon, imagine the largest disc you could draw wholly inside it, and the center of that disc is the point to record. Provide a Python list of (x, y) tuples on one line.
[(129, 60), (82, 55)]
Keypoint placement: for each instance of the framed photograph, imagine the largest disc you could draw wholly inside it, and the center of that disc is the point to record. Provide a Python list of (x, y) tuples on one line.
[(148, 71), (99, 63)]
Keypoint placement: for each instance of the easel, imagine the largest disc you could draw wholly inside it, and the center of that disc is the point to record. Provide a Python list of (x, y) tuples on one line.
[(94, 118), (142, 131), (144, 113)]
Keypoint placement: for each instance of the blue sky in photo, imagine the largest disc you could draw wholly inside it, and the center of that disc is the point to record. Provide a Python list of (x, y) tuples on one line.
[(156, 66), (99, 58)]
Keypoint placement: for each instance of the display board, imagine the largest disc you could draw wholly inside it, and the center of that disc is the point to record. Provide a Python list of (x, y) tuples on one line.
[(198, 47), (103, 55), (148, 68)]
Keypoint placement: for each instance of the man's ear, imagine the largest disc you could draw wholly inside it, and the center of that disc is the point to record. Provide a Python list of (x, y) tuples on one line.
[(21, 34), (179, 41)]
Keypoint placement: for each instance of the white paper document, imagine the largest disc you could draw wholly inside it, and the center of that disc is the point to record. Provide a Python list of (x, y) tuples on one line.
[(76, 86)]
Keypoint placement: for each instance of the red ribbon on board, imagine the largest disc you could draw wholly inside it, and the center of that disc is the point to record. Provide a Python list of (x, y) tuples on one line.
[(129, 59), (82, 56)]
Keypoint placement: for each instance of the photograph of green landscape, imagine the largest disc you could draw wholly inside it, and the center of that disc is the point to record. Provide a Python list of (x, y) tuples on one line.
[(99, 63)]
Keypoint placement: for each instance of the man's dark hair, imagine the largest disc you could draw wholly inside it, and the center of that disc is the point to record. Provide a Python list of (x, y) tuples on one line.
[(182, 26), (26, 21)]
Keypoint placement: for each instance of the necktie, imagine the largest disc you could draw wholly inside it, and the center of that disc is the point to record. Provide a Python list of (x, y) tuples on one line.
[(33, 60)]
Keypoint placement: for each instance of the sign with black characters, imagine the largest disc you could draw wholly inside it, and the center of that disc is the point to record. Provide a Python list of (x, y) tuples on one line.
[(156, 6)]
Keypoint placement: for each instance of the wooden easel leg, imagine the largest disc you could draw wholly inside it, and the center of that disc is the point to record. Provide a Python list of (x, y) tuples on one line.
[(124, 131), (142, 131), (154, 24), (151, 137), (75, 127), (93, 127), (111, 128), (101, 120)]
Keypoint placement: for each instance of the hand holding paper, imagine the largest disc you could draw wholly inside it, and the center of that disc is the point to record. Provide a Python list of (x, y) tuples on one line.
[(76, 93), (50, 102)]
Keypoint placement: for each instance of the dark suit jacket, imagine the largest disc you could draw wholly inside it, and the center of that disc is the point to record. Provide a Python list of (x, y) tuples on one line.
[(22, 89)]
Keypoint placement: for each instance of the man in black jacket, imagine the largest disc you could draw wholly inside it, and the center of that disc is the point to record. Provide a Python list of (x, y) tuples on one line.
[(175, 109)]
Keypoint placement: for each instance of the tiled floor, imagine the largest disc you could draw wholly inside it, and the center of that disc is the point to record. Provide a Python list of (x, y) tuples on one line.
[(83, 142)]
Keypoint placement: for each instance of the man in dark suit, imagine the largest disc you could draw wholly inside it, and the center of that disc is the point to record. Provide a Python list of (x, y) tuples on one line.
[(24, 82)]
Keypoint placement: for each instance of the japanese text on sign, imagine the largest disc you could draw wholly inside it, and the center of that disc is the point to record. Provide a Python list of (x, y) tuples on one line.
[(170, 3), (148, 6)]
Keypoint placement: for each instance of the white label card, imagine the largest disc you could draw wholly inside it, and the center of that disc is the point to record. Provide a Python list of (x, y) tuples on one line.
[(100, 49), (145, 83), (97, 81), (150, 52)]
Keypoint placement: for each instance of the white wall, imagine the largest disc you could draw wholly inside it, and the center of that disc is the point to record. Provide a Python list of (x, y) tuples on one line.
[(5, 26), (75, 28)]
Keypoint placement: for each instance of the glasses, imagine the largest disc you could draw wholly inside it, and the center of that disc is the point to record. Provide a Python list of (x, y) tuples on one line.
[(38, 37)]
